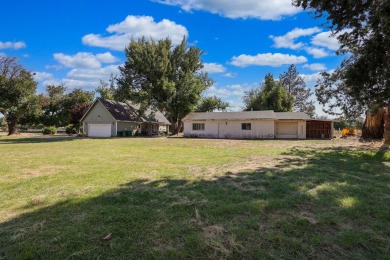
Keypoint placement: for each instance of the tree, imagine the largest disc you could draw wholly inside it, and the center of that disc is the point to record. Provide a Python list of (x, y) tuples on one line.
[(76, 104), (296, 86), (17, 88), (162, 76), (270, 96), (209, 104), (52, 102), (363, 30), (107, 90)]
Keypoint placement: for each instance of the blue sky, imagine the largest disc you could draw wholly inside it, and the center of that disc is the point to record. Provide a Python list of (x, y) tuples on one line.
[(80, 42)]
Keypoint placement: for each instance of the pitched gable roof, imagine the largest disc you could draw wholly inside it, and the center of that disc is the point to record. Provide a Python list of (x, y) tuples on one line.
[(120, 111), (127, 111)]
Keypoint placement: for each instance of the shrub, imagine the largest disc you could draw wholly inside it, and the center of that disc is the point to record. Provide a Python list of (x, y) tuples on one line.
[(50, 130), (71, 129)]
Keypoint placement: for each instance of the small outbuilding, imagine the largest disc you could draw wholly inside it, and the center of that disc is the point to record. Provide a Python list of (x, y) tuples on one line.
[(106, 118), (250, 125)]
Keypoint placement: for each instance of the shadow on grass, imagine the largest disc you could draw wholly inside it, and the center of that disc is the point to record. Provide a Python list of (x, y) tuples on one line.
[(33, 140), (328, 204)]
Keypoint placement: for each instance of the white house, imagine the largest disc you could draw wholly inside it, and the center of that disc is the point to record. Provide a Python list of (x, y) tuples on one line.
[(255, 125)]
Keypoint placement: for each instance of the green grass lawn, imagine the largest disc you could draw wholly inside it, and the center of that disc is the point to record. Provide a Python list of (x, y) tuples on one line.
[(191, 199)]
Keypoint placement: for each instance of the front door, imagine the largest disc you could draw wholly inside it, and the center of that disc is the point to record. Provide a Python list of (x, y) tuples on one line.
[(221, 130)]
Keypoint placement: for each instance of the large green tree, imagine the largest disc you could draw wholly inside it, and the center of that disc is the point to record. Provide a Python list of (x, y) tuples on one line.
[(296, 86), (270, 96), (363, 30), (18, 92), (160, 75), (209, 104), (52, 102)]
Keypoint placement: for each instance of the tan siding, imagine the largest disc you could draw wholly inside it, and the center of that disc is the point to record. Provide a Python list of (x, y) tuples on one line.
[(127, 126), (93, 118)]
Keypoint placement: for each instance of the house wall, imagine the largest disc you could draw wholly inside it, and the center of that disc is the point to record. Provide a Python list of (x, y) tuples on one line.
[(260, 129), (98, 114), (127, 126)]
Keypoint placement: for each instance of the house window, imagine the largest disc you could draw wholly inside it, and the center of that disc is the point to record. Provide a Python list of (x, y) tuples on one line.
[(246, 126), (198, 127)]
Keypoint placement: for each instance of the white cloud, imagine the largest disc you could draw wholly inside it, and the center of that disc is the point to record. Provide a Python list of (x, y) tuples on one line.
[(288, 40), (212, 68), (231, 93), (317, 52), (136, 27), (229, 75), (41, 76), (12, 45), (267, 59), (315, 66), (85, 78), (84, 59), (325, 39), (264, 9), (311, 79)]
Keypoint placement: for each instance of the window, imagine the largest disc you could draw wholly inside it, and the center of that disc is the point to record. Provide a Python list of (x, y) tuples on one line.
[(246, 126), (198, 127)]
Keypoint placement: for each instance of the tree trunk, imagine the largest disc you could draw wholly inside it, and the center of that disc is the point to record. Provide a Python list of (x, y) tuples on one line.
[(387, 125), (12, 123), (373, 127)]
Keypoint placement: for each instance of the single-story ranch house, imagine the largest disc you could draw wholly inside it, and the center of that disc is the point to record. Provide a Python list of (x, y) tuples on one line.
[(106, 118), (256, 125)]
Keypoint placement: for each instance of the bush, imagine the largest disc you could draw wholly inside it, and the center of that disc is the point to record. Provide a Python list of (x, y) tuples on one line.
[(50, 130), (71, 130)]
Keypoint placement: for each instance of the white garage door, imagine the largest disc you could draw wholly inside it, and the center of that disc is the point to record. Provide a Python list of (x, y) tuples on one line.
[(286, 130), (99, 130)]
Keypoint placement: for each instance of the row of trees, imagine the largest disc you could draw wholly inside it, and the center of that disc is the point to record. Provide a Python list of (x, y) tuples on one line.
[(288, 93), (361, 82), (20, 104)]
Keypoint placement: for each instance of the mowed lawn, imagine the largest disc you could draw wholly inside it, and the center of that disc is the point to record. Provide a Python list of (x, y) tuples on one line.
[(175, 198)]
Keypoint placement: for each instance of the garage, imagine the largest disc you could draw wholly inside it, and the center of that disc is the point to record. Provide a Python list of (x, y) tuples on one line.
[(99, 130), (286, 129)]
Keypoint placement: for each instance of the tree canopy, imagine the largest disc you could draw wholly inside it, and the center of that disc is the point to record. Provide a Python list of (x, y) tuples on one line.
[(363, 30), (209, 104), (17, 88), (270, 96), (160, 75), (296, 86)]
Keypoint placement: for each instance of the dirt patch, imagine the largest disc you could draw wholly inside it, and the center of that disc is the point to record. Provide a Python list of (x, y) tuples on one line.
[(42, 171)]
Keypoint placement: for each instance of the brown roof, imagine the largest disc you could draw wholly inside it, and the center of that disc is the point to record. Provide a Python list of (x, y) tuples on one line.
[(246, 115), (127, 111)]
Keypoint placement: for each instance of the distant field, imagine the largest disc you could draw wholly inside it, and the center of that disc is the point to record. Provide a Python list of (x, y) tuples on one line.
[(193, 198)]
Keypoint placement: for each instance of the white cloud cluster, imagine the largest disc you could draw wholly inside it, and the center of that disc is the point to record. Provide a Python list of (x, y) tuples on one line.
[(321, 43), (86, 70), (288, 40), (315, 66), (12, 45), (213, 68), (267, 59), (136, 27), (325, 39), (231, 93), (263, 10), (84, 59)]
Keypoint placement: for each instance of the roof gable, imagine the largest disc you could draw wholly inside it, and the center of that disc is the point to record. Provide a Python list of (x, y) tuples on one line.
[(127, 111)]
